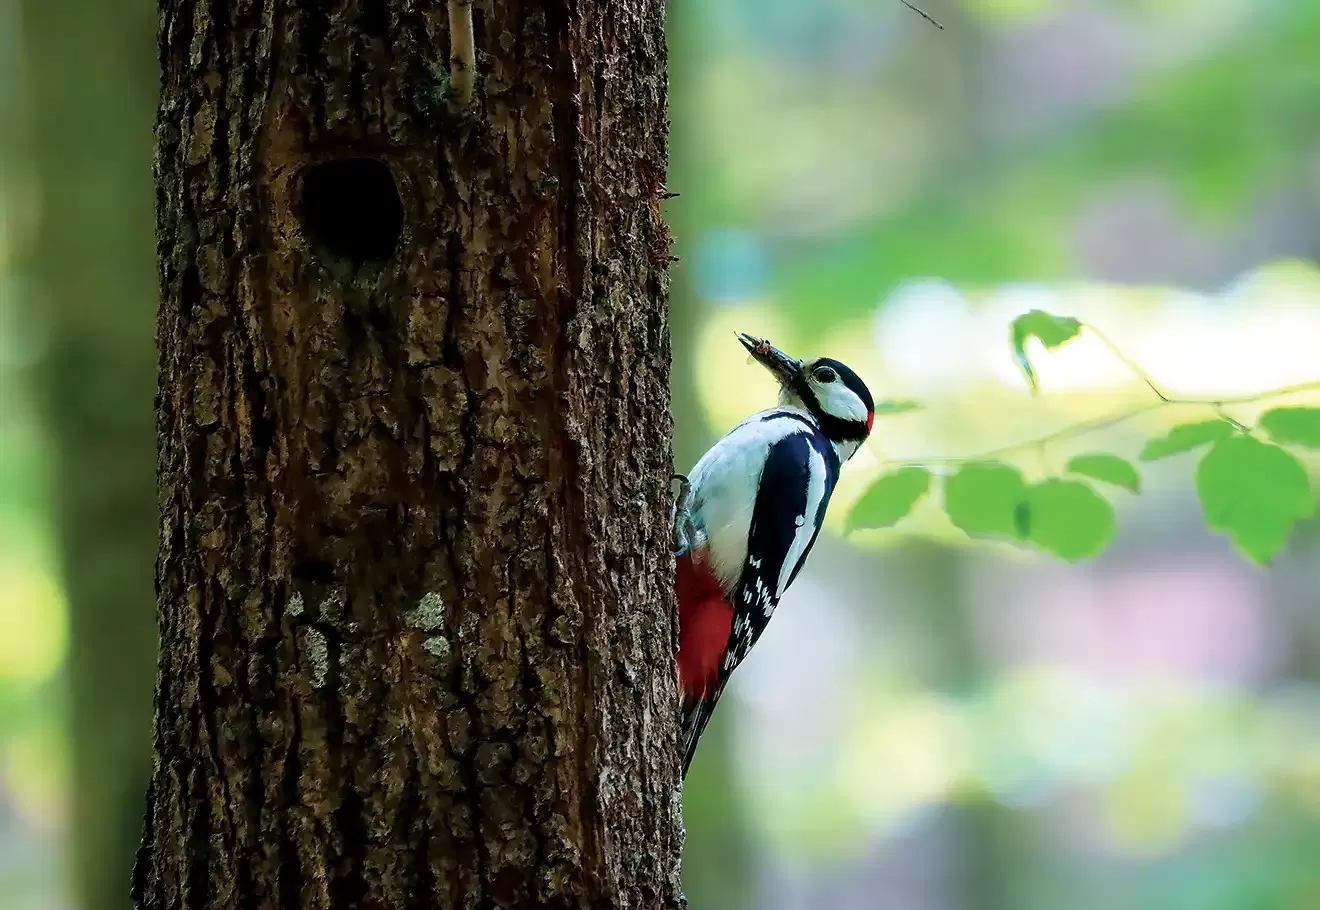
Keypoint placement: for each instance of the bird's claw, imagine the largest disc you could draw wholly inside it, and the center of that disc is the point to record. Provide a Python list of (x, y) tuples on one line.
[(682, 518)]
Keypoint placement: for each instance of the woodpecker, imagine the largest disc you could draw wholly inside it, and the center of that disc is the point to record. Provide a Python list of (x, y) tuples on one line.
[(749, 513)]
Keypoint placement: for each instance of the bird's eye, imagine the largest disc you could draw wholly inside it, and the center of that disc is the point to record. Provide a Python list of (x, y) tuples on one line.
[(825, 374)]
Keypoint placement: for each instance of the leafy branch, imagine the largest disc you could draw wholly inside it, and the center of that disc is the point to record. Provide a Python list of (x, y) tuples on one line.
[(1085, 427), (1251, 488)]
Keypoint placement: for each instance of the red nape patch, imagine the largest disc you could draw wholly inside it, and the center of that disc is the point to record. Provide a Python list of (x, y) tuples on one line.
[(870, 419), (705, 618)]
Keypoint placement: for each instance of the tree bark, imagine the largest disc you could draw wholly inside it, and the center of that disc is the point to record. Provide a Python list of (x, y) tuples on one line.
[(414, 580), (90, 91)]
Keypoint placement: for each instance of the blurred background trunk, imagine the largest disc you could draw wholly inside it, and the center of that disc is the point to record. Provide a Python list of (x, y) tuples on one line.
[(88, 273)]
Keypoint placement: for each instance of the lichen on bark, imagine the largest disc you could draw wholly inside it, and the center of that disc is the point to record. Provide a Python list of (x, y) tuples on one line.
[(414, 582)]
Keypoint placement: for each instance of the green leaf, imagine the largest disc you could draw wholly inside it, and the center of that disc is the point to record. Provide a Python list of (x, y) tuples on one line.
[(1253, 491), (1050, 329), (1067, 518), (889, 499), (1107, 468), (981, 497), (895, 406), (1299, 426), (1185, 437)]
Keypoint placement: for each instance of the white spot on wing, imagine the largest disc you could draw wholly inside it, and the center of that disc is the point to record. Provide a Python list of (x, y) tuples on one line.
[(806, 523)]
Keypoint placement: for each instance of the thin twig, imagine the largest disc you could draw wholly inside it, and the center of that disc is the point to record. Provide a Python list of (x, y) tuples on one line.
[(462, 52), (923, 14), (1103, 423), (1128, 362)]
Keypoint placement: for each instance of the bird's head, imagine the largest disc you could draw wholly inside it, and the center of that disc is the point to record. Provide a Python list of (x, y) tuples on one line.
[(825, 388)]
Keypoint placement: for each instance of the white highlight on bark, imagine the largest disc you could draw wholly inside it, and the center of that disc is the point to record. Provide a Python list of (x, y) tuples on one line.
[(318, 654), (437, 646), (333, 605), (462, 52), (429, 614)]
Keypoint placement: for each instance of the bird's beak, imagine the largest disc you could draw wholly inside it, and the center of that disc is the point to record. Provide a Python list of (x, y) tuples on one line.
[(784, 368)]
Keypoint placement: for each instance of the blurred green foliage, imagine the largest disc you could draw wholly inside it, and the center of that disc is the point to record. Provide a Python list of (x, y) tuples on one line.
[(1249, 489), (1146, 155), (1220, 131), (77, 301)]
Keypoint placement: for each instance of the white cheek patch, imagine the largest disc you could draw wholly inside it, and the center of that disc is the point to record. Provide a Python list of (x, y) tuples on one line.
[(838, 400)]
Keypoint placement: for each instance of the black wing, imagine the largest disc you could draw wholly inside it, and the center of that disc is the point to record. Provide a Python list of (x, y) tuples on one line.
[(779, 516), (695, 718)]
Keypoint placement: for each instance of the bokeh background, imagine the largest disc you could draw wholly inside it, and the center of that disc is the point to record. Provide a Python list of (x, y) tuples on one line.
[(928, 724)]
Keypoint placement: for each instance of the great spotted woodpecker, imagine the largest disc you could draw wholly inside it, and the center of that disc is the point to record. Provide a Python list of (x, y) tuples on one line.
[(748, 515)]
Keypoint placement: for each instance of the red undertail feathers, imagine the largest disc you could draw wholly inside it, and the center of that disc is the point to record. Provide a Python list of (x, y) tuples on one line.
[(705, 618)]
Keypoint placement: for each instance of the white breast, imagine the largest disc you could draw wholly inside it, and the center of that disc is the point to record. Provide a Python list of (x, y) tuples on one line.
[(724, 485)]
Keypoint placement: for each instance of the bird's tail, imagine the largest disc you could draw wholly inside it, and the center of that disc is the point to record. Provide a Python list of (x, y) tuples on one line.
[(695, 717)]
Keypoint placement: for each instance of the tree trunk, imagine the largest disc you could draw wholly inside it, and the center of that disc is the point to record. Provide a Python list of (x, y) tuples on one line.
[(414, 581), (90, 92)]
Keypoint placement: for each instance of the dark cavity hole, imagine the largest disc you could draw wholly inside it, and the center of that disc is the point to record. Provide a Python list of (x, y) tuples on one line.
[(351, 209)]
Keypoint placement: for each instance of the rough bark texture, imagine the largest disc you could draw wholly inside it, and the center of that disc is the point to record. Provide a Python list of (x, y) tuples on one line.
[(414, 581), (90, 94)]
